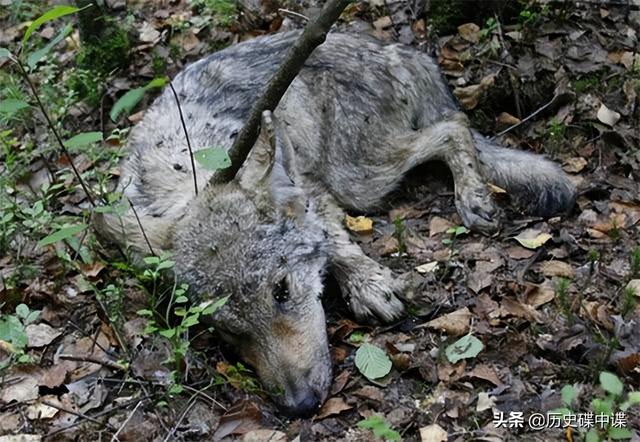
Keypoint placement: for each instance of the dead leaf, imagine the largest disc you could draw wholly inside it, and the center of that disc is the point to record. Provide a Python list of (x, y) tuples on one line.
[(40, 335), (54, 376), (598, 313), (516, 308), (479, 280), (21, 387), (532, 238), (517, 252), (485, 402), (507, 119), (262, 435), (371, 393), (359, 224), (454, 323), (537, 295), (433, 433), (238, 420), (556, 268), (483, 371), (332, 406), (41, 411), (148, 34), (469, 96), (574, 164), (428, 267), (439, 225), (21, 438), (470, 32), (634, 285), (607, 116)]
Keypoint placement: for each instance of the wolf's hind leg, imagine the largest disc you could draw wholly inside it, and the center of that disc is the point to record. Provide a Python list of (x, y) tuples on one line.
[(451, 140)]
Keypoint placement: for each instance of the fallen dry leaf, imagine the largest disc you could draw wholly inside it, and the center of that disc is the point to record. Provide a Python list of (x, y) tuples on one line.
[(532, 238), (439, 225), (516, 308), (634, 285), (148, 34), (20, 387), (537, 295), (263, 435), (454, 323), (517, 252), (483, 371), (507, 119), (607, 116), (470, 32), (40, 335), (485, 402), (574, 164), (359, 224), (556, 268), (469, 96), (238, 420), (332, 406), (433, 433), (428, 267), (41, 411)]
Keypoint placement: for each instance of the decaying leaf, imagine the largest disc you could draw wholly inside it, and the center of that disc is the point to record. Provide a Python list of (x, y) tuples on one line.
[(574, 164), (359, 224), (433, 433), (556, 268), (40, 335), (532, 238), (428, 267), (454, 323), (262, 435), (332, 406), (607, 116), (469, 96), (439, 225)]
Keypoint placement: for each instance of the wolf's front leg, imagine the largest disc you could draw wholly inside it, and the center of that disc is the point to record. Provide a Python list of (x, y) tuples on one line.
[(369, 288)]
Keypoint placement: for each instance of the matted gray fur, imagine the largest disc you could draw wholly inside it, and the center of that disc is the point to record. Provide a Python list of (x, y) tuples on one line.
[(357, 118)]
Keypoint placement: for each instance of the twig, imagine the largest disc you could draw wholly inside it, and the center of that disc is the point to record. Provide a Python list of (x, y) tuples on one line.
[(314, 34), (507, 57), (186, 135), (190, 404), (94, 360), (144, 234), (520, 123), (100, 414), (77, 413), (126, 421), (25, 75), (294, 13)]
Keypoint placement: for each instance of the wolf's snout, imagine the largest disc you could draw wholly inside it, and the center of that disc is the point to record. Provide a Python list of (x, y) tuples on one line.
[(305, 401)]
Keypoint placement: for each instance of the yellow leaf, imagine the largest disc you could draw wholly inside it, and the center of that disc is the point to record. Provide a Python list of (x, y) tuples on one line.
[(359, 224), (532, 239)]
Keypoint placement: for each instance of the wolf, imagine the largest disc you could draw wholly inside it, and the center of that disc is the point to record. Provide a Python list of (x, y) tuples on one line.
[(357, 118)]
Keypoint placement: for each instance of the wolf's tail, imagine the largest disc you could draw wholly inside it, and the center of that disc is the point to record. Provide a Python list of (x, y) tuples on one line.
[(537, 185)]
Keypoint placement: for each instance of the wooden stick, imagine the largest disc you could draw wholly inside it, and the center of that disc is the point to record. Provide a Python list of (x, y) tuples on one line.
[(313, 36)]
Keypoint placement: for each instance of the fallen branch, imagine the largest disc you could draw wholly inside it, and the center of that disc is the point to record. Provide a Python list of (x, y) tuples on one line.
[(313, 36)]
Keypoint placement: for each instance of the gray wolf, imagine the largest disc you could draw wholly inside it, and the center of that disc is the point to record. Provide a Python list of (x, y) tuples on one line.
[(357, 118)]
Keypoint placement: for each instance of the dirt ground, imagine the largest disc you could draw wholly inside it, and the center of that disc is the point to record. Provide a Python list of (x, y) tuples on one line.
[(553, 302)]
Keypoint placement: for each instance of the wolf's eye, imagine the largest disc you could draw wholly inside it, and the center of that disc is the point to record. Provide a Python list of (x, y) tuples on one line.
[(281, 292)]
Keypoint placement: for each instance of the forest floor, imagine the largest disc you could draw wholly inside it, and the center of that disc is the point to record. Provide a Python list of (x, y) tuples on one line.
[(552, 304)]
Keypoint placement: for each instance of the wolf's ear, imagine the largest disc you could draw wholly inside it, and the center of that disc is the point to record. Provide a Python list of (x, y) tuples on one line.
[(270, 171), (254, 174)]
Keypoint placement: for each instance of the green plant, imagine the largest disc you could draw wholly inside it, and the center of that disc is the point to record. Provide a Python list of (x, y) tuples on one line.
[(555, 134), (490, 25), (629, 300), (610, 407), (177, 332), (635, 262), (399, 234), (454, 233), (222, 12), (13, 335), (562, 295), (380, 428)]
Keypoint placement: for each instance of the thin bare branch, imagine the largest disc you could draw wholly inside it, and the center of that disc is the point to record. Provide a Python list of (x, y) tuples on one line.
[(63, 148), (186, 135), (314, 34)]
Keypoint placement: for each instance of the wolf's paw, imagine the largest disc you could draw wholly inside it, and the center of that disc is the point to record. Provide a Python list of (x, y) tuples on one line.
[(372, 295), (478, 211)]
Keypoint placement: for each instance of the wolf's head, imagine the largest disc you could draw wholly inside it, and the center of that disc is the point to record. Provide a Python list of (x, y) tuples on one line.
[(259, 240)]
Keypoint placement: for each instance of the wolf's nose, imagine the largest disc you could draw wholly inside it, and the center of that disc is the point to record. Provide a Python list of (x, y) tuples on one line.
[(306, 406)]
